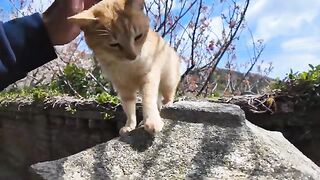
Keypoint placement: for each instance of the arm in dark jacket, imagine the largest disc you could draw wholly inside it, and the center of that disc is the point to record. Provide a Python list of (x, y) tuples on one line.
[(24, 46)]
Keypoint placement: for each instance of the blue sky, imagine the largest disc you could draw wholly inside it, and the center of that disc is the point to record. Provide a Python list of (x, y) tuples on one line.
[(4, 4), (290, 30)]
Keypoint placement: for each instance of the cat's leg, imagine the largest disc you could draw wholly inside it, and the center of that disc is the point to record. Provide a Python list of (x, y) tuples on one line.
[(152, 120), (168, 96), (159, 106), (128, 102), (169, 82), (159, 101), (168, 88)]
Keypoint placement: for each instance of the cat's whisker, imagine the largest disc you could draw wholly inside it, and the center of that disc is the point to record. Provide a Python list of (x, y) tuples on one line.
[(104, 35), (102, 30)]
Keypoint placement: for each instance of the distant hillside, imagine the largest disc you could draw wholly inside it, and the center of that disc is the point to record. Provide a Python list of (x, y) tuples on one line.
[(256, 82), (225, 82)]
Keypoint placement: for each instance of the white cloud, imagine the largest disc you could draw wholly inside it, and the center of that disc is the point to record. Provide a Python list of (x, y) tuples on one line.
[(297, 62), (154, 7), (275, 18), (217, 27), (255, 8), (306, 44), (290, 30), (297, 54)]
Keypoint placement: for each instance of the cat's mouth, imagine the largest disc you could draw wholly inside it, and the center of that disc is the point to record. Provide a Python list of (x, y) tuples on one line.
[(132, 57)]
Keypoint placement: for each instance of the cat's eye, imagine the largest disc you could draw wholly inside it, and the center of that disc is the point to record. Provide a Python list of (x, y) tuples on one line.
[(115, 45), (138, 37)]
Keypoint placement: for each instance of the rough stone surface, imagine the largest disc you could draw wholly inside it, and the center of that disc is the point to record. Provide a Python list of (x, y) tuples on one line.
[(199, 141)]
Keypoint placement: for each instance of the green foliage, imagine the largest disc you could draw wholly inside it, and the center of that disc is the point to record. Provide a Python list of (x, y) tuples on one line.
[(304, 86), (41, 92), (215, 95), (77, 81), (71, 110), (37, 93), (9, 95), (73, 80), (304, 82), (105, 97), (107, 116)]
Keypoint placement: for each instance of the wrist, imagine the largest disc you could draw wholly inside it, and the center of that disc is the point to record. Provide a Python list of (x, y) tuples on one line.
[(30, 42), (47, 26)]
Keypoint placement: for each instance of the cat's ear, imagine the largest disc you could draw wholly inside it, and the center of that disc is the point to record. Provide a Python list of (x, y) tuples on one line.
[(134, 4), (83, 18)]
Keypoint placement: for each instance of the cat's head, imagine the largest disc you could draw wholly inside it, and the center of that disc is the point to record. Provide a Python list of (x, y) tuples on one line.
[(117, 27)]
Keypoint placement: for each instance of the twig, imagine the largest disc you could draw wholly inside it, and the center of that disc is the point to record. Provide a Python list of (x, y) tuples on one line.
[(261, 103), (193, 43), (69, 85), (97, 81), (224, 48), (255, 59)]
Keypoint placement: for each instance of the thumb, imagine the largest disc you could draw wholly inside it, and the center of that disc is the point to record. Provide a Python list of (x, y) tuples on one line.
[(73, 6)]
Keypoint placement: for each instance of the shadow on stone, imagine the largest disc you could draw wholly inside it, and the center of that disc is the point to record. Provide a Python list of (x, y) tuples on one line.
[(99, 171), (139, 139), (212, 152), (166, 133)]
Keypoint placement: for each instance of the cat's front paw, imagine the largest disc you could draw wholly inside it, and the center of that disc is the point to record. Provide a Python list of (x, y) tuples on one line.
[(167, 103), (153, 126), (125, 130)]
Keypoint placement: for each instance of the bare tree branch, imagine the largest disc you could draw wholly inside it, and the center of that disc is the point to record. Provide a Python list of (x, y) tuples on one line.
[(193, 42), (223, 49), (255, 58)]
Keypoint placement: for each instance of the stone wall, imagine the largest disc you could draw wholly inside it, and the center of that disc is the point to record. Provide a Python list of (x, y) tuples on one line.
[(32, 132)]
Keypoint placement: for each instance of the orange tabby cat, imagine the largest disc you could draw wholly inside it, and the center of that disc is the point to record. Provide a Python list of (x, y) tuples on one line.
[(132, 57)]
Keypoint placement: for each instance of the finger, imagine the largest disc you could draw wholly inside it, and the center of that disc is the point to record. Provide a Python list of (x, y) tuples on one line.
[(75, 6)]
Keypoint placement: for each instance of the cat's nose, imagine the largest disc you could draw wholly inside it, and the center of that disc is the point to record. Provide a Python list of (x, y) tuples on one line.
[(131, 56), (131, 53)]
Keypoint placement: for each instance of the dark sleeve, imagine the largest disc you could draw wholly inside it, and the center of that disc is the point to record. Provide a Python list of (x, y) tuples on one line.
[(24, 46)]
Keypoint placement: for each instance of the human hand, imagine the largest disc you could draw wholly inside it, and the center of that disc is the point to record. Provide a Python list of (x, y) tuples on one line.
[(55, 19)]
